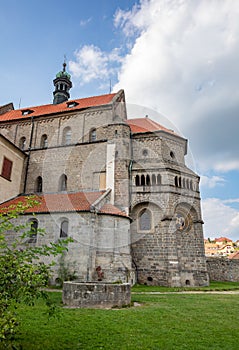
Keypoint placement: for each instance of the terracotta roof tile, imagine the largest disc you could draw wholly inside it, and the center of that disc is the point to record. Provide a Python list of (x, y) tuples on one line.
[(63, 202), (37, 111), (140, 125)]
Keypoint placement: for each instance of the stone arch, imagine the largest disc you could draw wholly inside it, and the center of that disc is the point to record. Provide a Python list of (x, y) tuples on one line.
[(137, 180), (150, 208), (44, 141)]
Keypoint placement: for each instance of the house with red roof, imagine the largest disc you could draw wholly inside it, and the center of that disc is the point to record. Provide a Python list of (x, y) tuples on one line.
[(119, 187)]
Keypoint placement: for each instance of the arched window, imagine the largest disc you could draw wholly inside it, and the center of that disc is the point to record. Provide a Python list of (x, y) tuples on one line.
[(137, 183), (187, 184), (22, 143), (64, 228), (147, 180), (66, 139), (92, 135), (145, 219), (153, 180), (63, 183), (159, 179), (176, 181), (33, 233), (44, 141), (39, 184), (142, 180), (191, 185), (179, 181)]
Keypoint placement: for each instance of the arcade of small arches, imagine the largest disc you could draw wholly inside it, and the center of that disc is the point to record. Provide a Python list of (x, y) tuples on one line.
[(148, 180), (182, 182)]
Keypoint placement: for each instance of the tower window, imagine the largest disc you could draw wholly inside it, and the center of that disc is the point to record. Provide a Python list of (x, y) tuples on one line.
[(39, 184), (147, 180), (145, 219), (159, 180), (64, 228), (137, 182), (66, 139), (93, 135), (142, 180), (63, 183), (22, 143), (44, 141), (33, 233)]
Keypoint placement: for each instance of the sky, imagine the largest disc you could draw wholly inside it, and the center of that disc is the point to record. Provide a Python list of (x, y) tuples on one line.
[(175, 59)]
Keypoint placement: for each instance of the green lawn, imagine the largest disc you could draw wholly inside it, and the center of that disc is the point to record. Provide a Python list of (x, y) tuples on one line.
[(162, 322)]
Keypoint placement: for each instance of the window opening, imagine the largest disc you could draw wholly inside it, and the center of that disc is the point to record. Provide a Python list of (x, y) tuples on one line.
[(39, 184), (159, 179), (145, 220), (6, 168), (22, 143), (147, 180), (67, 136), (63, 183), (142, 180), (44, 141), (34, 227), (93, 135), (153, 180), (64, 229)]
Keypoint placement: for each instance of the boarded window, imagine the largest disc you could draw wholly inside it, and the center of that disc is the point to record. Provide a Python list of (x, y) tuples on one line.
[(6, 168), (145, 220), (103, 180)]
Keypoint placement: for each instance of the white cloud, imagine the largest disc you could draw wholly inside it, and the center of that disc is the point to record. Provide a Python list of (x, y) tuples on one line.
[(184, 63), (211, 182), (220, 219), (84, 22), (92, 63)]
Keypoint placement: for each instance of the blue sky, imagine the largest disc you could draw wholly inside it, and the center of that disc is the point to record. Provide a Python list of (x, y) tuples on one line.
[(179, 59)]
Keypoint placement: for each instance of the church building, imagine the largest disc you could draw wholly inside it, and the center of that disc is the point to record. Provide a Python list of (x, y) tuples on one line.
[(118, 187)]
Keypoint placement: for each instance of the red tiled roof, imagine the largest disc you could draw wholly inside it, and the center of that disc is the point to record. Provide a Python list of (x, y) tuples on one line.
[(223, 239), (62, 202), (146, 125), (58, 108)]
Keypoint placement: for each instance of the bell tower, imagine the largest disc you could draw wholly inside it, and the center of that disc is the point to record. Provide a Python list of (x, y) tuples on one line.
[(62, 84)]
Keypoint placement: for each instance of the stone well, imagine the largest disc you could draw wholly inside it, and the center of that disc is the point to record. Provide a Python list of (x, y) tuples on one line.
[(96, 294)]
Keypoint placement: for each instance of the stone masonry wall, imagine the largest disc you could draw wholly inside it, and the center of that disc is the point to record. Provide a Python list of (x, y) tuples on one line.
[(223, 269)]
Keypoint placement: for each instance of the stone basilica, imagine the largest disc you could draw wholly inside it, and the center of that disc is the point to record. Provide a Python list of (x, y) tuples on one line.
[(118, 187)]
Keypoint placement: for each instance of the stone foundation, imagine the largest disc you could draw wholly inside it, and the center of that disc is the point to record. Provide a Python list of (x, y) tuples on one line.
[(96, 295)]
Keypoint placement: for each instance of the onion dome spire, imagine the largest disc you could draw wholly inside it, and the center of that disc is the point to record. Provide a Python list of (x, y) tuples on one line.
[(62, 84)]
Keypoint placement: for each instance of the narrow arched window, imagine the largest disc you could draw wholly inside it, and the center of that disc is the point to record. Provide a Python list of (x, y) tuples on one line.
[(66, 139), (176, 181), (44, 141), (63, 183), (137, 182), (184, 183), (22, 143), (64, 228), (145, 219), (93, 135), (33, 231), (159, 179), (147, 180), (191, 185), (179, 181), (153, 180), (187, 184), (142, 180), (39, 184)]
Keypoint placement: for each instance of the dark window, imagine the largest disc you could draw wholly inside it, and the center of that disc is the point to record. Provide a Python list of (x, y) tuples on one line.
[(39, 184), (64, 229), (142, 180), (44, 142), (176, 181), (172, 155), (179, 181), (145, 220), (145, 152), (147, 180), (33, 234), (22, 143), (6, 168), (93, 135), (158, 179), (63, 183), (137, 180)]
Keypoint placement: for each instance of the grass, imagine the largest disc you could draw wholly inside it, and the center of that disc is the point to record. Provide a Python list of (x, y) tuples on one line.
[(161, 322), (214, 286)]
